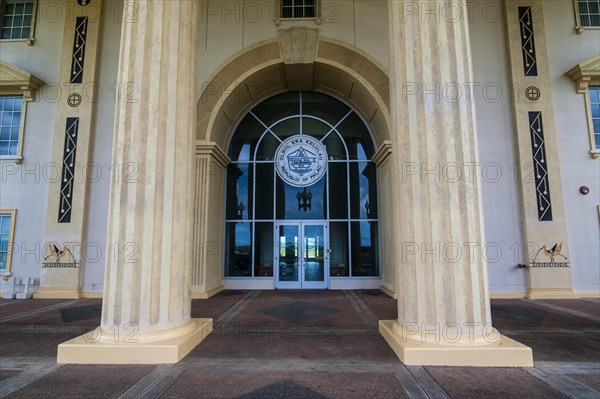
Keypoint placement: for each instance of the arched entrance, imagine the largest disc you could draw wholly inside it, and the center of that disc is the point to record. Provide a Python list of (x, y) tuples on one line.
[(301, 194), (346, 77)]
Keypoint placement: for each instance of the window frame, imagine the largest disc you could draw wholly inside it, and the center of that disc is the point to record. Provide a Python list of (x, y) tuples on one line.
[(19, 155), (17, 82), (11, 239), (585, 75), (279, 19), (579, 28)]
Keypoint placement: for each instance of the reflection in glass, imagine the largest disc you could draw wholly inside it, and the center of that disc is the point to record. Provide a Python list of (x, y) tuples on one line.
[(264, 191), (357, 137), (288, 253), (363, 190), (287, 128), (263, 249), (245, 139), (295, 203), (239, 191), (238, 258), (338, 243), (313, 257), (338, 190), (365, 244)]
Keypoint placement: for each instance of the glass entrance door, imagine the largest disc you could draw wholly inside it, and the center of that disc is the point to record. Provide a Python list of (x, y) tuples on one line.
[(302, 256)]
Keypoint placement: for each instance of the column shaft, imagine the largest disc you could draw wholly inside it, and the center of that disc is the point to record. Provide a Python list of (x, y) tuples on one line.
[(445, 280), (148, 269), (443, 302)]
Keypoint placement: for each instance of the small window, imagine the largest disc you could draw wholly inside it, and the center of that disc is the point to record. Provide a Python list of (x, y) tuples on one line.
[(7, 227), (11, 108), (298, 9), (587, 14), (17, 19), (595, 108)]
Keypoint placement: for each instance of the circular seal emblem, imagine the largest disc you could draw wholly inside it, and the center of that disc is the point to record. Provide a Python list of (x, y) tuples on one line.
[(301, 160)]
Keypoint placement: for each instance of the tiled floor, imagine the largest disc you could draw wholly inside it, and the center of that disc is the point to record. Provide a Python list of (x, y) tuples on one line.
[(300, 344)]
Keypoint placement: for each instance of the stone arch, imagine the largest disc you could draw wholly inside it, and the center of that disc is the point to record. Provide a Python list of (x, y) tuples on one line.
[(297, 60), (261, 70)]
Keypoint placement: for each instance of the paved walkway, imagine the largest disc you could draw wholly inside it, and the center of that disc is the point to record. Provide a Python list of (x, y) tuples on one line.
[(300, 344)]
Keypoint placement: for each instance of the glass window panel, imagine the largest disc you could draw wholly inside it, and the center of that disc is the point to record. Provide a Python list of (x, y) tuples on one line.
[(19, 7), (14, 133), (5, 133), (594, 94), (6, 33), (25, 33), (6, 119), (18, 21), (278, 107), (365, 246), (596, 110), (288, 247), (286, 12), (5, 224), (18, 104), (28, 8), (597, 125), (267, 147), (264, 191), (357, 137), (287, 128), (298, 12), (239, 191), (324, 107), (4, 148), (4, 243), (245, 138), (338, 243), (16, 118), (263, 249), (597, 140), (238, 249), (9, 9), (12, 148), (295, 203), (585, 20), (9, 103), (363, 190), (335, 147), (315, 128), (338, 190)]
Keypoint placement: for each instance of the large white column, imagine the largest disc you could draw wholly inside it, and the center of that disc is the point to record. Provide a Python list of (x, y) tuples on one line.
[(147, 291), (442, 283)]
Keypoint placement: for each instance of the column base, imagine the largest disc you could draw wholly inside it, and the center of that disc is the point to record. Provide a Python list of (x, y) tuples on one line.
[(87, 350), (58, 293), (207, 294), (503, 353), (547, 293)]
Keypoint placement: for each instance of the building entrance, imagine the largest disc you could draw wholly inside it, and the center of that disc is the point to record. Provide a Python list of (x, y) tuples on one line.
[(302, 255)]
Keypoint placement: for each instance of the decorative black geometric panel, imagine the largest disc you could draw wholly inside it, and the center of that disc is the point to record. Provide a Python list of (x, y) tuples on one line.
[(68, 171), (527, 41), (540, 167), (78, 57)]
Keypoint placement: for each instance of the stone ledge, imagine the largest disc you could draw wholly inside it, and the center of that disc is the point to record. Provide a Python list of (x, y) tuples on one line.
[(504, 353), (83, 350)]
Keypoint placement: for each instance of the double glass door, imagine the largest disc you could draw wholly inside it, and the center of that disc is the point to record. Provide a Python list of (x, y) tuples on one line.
[(302, 255)]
